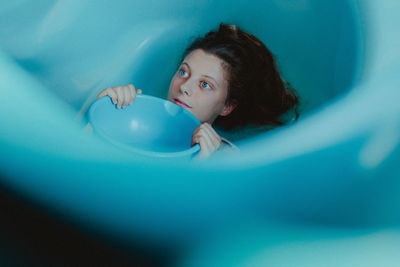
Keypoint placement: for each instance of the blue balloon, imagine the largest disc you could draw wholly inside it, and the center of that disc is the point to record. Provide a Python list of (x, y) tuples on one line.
[(151, 126)]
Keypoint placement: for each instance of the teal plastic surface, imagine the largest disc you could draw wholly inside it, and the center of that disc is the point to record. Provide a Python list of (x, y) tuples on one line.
[(338, 166)]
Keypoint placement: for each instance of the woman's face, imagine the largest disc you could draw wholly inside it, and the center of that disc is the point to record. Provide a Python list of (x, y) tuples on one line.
[(200, 86)]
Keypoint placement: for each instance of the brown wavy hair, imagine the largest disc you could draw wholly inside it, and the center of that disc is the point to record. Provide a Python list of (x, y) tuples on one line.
[(254, 84)]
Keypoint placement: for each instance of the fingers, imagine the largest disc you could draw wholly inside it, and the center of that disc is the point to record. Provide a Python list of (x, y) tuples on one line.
[(131, 93), (205, 145), (208, 139), (214, 138), (121, 96), (124, 96), (110, 92), (102, 93)]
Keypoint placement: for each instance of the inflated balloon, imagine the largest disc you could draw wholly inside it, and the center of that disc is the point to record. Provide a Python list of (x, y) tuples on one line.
[(150, 126)]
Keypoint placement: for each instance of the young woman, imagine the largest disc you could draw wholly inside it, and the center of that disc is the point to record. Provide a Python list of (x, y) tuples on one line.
[(228, 78)]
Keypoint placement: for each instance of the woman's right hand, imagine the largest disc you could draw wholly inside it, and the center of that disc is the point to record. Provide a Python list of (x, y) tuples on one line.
[(121, 95)]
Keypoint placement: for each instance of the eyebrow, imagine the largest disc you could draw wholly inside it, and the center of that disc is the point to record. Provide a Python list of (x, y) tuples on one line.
[(208, 76)]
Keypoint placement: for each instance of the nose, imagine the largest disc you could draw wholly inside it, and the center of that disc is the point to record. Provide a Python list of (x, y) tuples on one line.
[(185, 90)]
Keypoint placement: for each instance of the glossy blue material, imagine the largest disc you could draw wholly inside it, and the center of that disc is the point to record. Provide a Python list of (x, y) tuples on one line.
[(150, 126), (282, 245), (338, 166)]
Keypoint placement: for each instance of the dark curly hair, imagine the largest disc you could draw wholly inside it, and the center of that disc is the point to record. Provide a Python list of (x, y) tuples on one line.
[(255, 85)]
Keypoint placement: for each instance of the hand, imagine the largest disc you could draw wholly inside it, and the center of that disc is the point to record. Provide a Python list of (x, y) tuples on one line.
[(121, 95), (208, 139)]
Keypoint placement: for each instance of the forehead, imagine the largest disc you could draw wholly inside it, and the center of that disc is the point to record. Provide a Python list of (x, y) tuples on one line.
[(203, 63)]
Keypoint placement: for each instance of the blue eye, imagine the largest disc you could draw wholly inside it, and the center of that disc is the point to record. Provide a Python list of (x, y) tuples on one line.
[(182, 73), (205, 85)]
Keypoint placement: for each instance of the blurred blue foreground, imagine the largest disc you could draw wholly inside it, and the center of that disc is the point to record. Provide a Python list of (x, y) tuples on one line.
[(336, 169)]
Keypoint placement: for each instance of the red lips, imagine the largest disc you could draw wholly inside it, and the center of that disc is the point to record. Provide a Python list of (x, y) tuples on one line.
[(181, 103)]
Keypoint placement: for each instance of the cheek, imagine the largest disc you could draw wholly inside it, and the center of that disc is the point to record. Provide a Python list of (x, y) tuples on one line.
[(177, 78), (207, 104), (173, 85), (219, 99), (219, 104)]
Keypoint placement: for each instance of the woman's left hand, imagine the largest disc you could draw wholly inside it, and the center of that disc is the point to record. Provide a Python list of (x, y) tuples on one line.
[(208, 139)]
